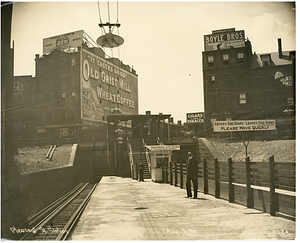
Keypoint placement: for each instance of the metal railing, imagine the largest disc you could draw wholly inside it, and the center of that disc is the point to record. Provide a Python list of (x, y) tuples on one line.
[(130, 156), (147, 155)]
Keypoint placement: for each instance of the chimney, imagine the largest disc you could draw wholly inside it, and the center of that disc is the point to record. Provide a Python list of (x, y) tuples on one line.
[(148, 113), (179, 122), (37, 56), (171, 120), (279, 48)]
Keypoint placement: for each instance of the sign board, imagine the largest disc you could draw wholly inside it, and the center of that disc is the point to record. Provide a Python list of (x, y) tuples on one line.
[(163, 147), (192, 118), (243, 126), (63, 132), (224, 40), (104, 87), (41, 130), (64, 41)]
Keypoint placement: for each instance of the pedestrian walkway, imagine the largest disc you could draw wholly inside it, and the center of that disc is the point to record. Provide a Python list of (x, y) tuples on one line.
[(125, 209)]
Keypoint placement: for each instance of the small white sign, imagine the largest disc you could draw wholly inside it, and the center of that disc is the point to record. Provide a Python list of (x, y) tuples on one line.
[(64, 41), (163, 147)]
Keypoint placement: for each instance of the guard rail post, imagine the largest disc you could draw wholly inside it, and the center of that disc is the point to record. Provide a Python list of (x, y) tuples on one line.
[(273, 199), (250, 196), (181, 175), (175, 169), (230, 180), (171, 173), (137, 171), (166, 167), (163, 171), (205, 177), (217, 179)]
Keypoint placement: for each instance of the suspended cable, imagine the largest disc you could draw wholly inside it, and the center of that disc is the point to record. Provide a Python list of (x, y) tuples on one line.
[(99, 11), (108, 12), (117, 18)]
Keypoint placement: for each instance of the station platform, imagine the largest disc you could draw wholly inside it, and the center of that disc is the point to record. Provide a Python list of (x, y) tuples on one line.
[(125, 209)]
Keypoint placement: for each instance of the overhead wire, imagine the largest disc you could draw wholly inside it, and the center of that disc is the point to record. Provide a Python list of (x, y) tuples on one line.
[(99, 12), (108, 12)]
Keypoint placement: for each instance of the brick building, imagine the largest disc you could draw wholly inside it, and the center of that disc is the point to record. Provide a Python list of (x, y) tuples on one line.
[(74, 89), (242, 85)]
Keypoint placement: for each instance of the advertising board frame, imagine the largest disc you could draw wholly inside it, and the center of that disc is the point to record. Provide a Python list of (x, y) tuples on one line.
[(244, 126)]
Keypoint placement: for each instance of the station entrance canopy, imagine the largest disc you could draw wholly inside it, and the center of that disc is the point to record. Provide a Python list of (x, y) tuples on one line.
[(155, 148)]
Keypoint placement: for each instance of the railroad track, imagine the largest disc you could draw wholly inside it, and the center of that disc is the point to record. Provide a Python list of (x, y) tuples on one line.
[(56, 221)]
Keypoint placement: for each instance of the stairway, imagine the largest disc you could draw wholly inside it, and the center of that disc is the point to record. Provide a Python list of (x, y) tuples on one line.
[(137, 146)]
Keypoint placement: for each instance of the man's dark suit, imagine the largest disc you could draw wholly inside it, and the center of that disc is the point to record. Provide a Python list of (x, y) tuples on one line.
[(192, 174)]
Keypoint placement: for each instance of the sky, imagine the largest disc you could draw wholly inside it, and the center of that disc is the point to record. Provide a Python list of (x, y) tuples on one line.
[(163, 41)]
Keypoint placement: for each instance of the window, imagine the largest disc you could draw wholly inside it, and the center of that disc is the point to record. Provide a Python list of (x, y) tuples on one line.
[(290, 100), (241, 57), (242, 98), (72, 62), (73, 96), (63, 97), (265, 60), (225, 59), (210, 60), (213, 80), (289, 80)]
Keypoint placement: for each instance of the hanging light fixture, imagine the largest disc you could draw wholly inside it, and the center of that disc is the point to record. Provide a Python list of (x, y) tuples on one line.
[(109, 40)]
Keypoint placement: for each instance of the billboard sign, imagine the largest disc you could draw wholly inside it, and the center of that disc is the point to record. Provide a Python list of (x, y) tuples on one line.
[(193, 118), (64, 41), (243, 126), (106, 87), (224, 40)]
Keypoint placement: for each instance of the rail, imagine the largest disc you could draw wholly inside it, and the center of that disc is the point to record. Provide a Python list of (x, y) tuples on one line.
[(147, 155), (56, 221), (130, 156)]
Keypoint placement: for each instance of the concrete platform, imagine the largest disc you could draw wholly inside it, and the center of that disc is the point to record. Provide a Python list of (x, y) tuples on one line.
[(125, 209)]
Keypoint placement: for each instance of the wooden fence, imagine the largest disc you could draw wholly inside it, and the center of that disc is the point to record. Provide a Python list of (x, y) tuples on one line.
[(266, 186)]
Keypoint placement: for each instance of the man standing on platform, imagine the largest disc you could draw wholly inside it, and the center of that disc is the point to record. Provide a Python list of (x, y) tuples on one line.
[(141, 171), (191, 175)]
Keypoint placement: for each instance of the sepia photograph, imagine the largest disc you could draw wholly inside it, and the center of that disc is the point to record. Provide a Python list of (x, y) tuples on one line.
[(148, 120)]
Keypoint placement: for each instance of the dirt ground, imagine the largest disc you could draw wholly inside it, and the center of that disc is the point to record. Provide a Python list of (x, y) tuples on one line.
[(258, 151), (30, 159)]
